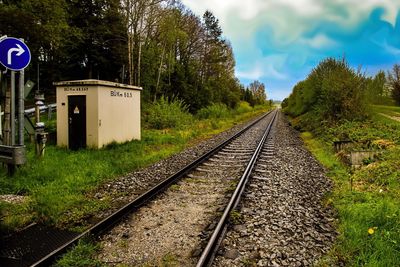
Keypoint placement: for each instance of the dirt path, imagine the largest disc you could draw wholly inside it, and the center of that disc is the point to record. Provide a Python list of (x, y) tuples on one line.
[(395, 118)]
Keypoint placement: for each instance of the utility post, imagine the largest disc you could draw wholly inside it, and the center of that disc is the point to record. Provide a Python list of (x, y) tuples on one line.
[(21, 107), (40, 134)]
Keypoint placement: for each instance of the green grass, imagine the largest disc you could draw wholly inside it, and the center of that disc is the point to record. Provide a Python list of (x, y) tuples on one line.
[(82, 255), (60, 183), (366, 200), (379, 113), (366, 134), (86, 251), (386, 109), (60, 186), (235, 217)]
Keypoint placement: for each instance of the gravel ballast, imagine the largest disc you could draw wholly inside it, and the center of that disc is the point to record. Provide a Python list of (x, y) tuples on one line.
[(172, 226), (282, 219), (127, 188)]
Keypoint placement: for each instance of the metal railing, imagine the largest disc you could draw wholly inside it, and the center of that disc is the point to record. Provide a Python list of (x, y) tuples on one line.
[(50, 108)]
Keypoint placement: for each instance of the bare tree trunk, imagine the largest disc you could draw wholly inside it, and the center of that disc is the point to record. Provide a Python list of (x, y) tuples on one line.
[(139, 62), (140, 51), (90, 71), (142, 16), (129, 39), (131, 67), (159, 73), (203, 67), (169, 68)]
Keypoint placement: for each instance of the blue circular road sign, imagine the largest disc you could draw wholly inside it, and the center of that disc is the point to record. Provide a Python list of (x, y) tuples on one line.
[(14, 54)]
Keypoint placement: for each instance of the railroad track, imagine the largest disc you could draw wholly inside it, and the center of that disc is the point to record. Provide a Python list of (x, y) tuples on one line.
[(282, 218), (230, 155), (180, 220), (281, 209), (264, 150)]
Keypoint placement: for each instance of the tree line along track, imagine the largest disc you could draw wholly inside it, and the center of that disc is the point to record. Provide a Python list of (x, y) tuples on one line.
[(32, 247)]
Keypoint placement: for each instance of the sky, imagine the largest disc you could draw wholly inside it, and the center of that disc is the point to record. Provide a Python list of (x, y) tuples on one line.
[(278, 42)]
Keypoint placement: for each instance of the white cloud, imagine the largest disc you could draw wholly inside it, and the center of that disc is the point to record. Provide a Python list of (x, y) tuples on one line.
[(357, 8), (267, 67), (292, 17), (278, 93), (319, 41), (284, 24), (272, 72), (391, 49), (255, 74), (247, 10), (301, 7)]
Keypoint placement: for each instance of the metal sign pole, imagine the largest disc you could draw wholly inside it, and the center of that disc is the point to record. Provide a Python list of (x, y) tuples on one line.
[(21, 108), (7, 114), (1, 91), (15, 56), (12, 120)]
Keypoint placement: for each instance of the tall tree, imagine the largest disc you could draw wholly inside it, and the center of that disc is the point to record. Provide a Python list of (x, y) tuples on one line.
[(394, 81), (212, 46), (158, 44), (99, 50), (141, 17), (376, 89), (258, 90), (43, 24)]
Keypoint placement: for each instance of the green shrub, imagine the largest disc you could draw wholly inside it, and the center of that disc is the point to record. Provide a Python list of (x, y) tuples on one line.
[(333, 91), (243, 107), (215, 111), (167, 113), (363, 132)]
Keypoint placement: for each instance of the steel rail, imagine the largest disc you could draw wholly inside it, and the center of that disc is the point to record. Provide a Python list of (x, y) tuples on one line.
[(210, 250), (117, 216)]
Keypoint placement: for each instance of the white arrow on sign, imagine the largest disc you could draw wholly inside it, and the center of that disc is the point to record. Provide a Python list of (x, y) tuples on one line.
[(20, 51)]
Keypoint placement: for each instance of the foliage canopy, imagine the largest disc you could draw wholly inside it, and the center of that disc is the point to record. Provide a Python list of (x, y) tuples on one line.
[(157, 44), (333, 91)]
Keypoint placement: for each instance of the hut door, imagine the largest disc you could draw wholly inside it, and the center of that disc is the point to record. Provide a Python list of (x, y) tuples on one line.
[(77, 122)]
